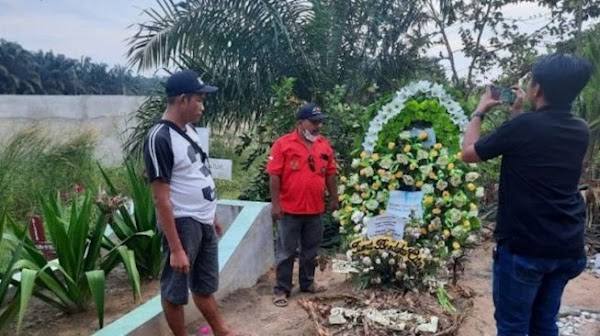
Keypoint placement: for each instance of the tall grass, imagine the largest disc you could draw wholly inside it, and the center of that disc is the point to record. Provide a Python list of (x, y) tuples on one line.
[(33, 163)]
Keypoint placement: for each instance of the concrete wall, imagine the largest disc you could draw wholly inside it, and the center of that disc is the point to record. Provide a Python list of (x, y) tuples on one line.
[(108, 117)]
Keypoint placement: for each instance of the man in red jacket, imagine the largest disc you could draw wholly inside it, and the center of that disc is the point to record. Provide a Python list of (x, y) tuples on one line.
[(301, 166)]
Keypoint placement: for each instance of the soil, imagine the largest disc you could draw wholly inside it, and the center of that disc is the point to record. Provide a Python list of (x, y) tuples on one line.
[(251, 310), (42, 319)]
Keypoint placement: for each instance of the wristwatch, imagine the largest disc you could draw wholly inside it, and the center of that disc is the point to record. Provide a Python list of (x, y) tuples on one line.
[(477, 114)]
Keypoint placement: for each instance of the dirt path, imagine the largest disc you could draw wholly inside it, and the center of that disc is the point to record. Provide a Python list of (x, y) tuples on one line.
[(251, 310)]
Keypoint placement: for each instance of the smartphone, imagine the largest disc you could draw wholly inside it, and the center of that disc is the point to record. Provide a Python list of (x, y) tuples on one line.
[(504, 94)]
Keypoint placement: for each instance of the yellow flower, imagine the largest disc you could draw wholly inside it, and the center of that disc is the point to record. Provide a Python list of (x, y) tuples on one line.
[(343, 179), (399, 174), (423, 136), (357, 187), (437, 146), (446, 233), (471, 187), (348, 208), (466, 223), (446, 194), (363, 209), (455, 245), (412, 166), (382, 211), (459, 155), (391, 145), (436, 211), (380, 172), (375, 156), (428, 200), (363, 154), (433, 153), (431, 227), (423, 230), (407, 148), (419, 184), (391, 187), (364, 195), (340, 198), (363, 171), (473, 207), (450, 166), (432, 176), (375, 186), (343, 222)]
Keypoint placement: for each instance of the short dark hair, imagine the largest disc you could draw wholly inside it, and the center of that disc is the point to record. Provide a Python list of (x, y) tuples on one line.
[(172, 99), (561, 77)]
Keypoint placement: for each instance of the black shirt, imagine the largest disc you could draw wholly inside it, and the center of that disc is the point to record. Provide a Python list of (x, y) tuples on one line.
[(541, 212)]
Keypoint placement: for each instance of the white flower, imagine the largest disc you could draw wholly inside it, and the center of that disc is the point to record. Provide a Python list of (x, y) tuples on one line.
[(367, 261), (455, 180), (372, 204), (341, 189), (401, 158), (381, 196), (471, 239), (357, 216), (384, 254), (442, 161), (408, 180), (454, 215), (471, 177), (364, 231), (353, 179), (356, 199), (405, 135), (364, 186), (427, 188), (422, 155), (392, 261), (386, 177), (349, 254), (441, 185), (357, 228), (385, 163), (355, 163), (479, 192), (426, 169), (336, 214), (377, 261), (369, 171)]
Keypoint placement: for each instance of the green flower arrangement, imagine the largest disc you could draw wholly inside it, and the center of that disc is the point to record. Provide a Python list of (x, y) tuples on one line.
[(450, 212)]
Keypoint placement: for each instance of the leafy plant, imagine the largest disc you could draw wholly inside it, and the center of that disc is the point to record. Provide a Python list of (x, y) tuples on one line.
[(137, 230), (78, 276), (8, 304)]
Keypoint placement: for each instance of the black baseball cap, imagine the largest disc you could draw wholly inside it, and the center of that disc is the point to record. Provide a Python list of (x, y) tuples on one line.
[(310, 111), (187, 81)]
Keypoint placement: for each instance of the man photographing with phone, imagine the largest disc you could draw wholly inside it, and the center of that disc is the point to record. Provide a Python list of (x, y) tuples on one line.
[(541, 214)]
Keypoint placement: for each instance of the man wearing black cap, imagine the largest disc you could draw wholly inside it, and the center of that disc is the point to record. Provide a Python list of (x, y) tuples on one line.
[(185, 200), (301, 166), (541, 214)]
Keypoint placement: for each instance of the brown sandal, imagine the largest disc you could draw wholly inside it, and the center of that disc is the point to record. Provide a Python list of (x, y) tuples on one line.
[(280, 300)]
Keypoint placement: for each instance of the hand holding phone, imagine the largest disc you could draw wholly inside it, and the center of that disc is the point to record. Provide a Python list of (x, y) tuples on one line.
[(503, 94)]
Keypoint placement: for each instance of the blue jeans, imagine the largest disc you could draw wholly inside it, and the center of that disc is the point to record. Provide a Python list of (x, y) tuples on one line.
[(527, 291)]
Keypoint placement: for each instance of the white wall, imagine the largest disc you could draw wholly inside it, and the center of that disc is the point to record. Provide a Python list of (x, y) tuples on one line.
[(107, 116)]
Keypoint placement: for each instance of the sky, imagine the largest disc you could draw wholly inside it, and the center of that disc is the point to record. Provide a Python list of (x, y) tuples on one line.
[(99, 28)]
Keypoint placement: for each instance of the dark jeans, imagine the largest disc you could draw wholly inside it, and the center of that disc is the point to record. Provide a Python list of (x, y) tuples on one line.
[(527, 291), (306, 229)]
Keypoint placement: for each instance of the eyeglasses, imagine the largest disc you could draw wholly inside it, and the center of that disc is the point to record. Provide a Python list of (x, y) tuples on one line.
[(311, 163)]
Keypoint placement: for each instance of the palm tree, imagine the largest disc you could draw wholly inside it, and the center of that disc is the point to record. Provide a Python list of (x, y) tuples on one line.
[(247, 46)]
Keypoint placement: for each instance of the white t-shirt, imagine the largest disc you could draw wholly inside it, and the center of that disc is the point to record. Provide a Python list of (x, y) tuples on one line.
[(171, 158)]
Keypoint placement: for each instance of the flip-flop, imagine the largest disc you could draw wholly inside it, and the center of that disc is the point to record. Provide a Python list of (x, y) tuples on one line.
[(314, 289), (280, 300)]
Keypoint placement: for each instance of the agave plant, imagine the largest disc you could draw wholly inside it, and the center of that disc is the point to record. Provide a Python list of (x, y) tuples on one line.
[(9, 304), (137, 229), (78, 275)]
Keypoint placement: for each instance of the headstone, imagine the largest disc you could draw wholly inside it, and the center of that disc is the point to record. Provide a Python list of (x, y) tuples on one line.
[(220, 168)]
